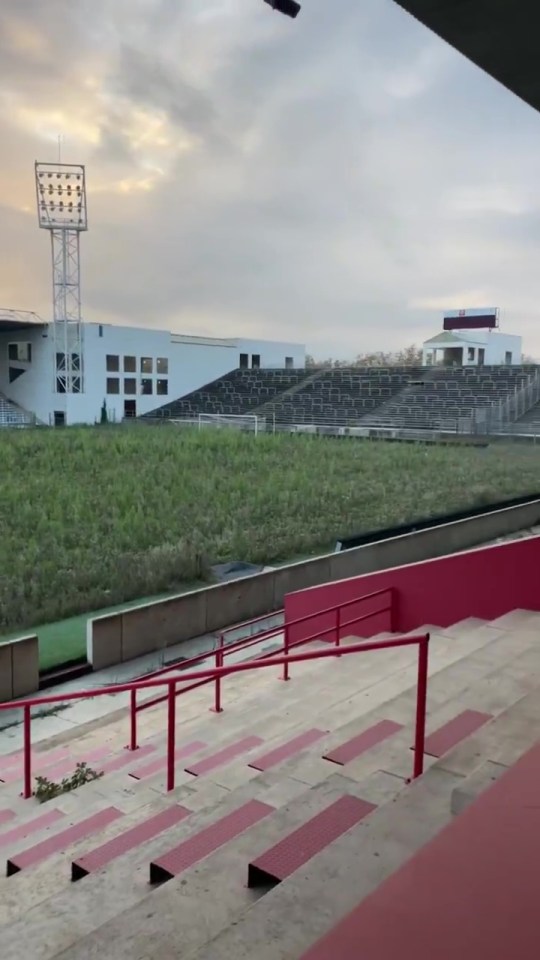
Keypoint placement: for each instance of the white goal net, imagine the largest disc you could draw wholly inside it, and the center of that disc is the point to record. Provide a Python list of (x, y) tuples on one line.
[(230, 421)]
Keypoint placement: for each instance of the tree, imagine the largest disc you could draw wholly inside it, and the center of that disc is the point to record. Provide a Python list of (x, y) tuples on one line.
[(409, 357)]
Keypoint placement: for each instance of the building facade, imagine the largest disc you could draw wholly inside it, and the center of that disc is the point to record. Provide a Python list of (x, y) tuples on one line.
[(472, 348), (130, 370)]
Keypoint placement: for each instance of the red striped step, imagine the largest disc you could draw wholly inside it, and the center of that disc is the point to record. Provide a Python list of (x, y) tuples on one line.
[(364, 741), (223, 756), (6, 816), (59, 841), (160, 763), (101, 856), (291, 853), (287, 750), (126, 758), (31, 826), (13, 771), (205, 842), (453, 732), (67, 766)]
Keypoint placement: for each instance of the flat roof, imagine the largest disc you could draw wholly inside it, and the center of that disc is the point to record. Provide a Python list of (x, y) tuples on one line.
[(17, 320), (499, 36)]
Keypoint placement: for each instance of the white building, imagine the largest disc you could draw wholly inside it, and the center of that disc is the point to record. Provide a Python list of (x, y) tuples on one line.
[(472, 348), (133, 370)]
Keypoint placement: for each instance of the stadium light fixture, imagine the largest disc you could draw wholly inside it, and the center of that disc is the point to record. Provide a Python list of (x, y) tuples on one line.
[(289, 7), (61, 196)]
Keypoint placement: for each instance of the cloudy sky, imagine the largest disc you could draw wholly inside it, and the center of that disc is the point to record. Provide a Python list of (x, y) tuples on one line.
[(337, 180)]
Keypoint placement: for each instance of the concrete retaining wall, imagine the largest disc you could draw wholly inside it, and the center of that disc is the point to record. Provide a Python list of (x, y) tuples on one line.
[(152, 627), (19, 668)]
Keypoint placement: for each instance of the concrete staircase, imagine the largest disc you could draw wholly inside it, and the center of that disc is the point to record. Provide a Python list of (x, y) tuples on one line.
[(207, 910)]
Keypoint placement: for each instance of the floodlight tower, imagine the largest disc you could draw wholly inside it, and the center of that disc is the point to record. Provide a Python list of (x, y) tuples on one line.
[(61, 203)]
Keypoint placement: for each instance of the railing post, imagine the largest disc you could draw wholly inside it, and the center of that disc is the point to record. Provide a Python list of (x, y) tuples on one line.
[(217, 708), (171, 734), (421, 703), (286, 675), (133, 745), (338, 626), (393, 613), (27, 788)]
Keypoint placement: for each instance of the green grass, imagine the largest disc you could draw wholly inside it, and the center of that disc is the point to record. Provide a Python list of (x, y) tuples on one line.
[(96, 517)]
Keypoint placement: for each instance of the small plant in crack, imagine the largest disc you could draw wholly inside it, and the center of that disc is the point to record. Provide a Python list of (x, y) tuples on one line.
[(48, 789)]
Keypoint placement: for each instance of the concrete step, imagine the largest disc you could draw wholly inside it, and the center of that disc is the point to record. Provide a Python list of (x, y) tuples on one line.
[(472, 786), (183, 902), (294, 914)]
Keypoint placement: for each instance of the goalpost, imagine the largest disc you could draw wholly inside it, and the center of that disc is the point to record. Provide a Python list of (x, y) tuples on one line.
[(236, 421)]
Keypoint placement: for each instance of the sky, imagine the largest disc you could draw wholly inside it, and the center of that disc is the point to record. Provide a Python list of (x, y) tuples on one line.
[(337, 180)]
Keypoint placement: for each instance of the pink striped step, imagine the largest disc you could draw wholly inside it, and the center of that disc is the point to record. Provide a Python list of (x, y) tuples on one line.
[(223, 756), (286, 750), (160, 763), (204, 843), (364, 741), (8, 760), (447, 736), (14, 770), (297, 848), (67, 766), (126, 758), (6, 816), (101, 856), (59, 841), (31, 826)]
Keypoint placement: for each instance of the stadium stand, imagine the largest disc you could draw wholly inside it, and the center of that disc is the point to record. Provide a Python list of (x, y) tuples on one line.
[(449, 398), (322, 815), (463, 399), (240, 391), (529, 423), (13, 416), (339, 396)]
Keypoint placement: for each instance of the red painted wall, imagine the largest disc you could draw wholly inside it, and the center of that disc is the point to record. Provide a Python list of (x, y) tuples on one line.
[(483, 583)]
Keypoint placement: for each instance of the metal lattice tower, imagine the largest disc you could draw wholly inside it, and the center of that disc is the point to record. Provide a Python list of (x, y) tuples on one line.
[(61, 202)]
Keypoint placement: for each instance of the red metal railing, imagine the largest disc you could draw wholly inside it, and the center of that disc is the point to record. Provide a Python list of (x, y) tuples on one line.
[(223, 650), (211, 674)]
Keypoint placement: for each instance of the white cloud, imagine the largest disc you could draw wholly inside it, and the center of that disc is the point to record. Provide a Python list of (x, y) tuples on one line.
[(338, 179)]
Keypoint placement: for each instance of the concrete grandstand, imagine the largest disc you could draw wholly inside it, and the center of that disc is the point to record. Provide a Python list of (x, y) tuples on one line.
[(461, 399), (291, 824), (297, 792)]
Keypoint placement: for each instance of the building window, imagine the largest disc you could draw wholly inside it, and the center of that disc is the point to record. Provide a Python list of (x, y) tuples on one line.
[(101, 330), (130, 409), (146, 386), (289, 363), (162, 388), (162, 365), (508, 358), (130, 365), (255, 361), (113, 363), (470, 354), (22, 352), (146, 365), (113, 385), (244, 361), (130, 385)]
